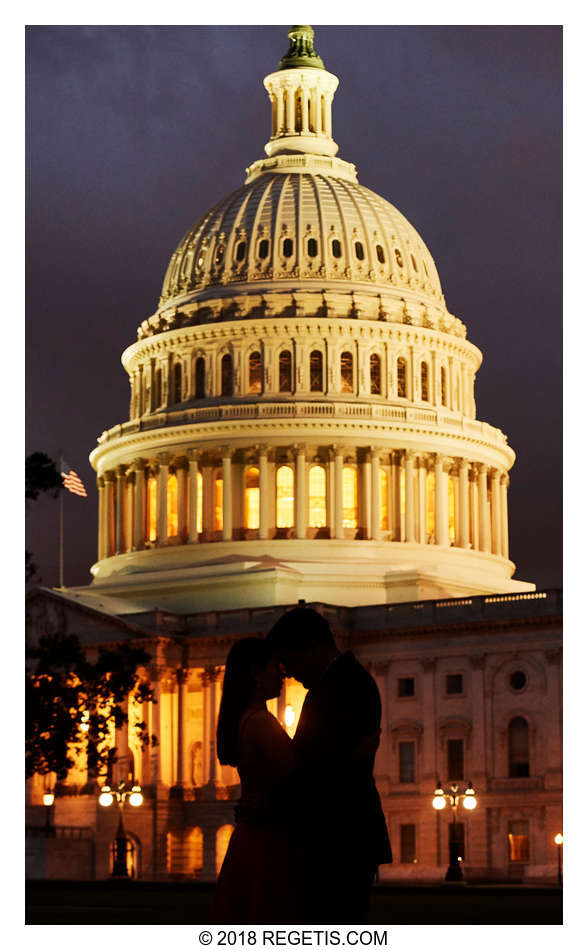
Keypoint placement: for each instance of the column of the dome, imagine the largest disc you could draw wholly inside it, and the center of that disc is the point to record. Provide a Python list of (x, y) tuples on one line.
[(162, 477), (434, 396), (396, 513), (422, 499), (441, 502), (290, 108), (279, 99), (504, 505), (109, 478), (450, 383), (300, 491), (101, 517), (264, 499), (339, 532), (193, 460), (328, 129), (464, 508), (495, 512), (227, 494), (483, 503), (364, 499), (181, 475), (129, 514), (119, 536), (409, 495), (474, 508), (376, 507), (315, 112), (304, 108), (139, 513)]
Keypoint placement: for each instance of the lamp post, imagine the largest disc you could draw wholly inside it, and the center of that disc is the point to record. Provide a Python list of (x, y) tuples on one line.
[(119, 793), (454, 797), (558, 840), (49, 801)]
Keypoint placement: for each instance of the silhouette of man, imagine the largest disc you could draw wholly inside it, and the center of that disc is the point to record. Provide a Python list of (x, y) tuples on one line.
[(333, 795)]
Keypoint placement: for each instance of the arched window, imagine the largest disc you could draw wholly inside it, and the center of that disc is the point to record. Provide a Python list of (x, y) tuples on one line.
[(219, 254), (443, 386), (223, 836), (199, 378), (263, 248), (349, 497), (316, 371), (380, 254), (240, 251), (430, 493), (398, 257), (284, 497), (317, 497), (312, 247), (131, 855), (518, 748), (255, 373), (157, 389), (252, 498), (336, 247), (375, 375), (288, 247), (172, 506), (384, 520), (401, 377), (359, 252), (227, 375), (177, 383), (199, 502), (218, 502), (152, 508), (285, 371), (425, 381), (346, 372)]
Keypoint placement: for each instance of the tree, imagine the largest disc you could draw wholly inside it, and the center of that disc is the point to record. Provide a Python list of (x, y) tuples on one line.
[(72, 704), (41, 475)]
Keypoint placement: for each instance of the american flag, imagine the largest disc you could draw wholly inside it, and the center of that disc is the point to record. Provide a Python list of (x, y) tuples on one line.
[(72, 481)]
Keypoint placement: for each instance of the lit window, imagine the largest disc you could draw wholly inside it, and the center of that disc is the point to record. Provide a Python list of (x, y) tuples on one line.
[(240, 251), (316, 371), (359, 253), (172, 506), (218, 502), (443, 386), (375, 375), (227, 375), (430, 493), (518, 748), (317, 497), (284, 497), (199, 378), (380, 254), (177, 383), (152, 508), (518, 842), (312, 247), (346, 372), (255, 373), (384, 499), (398, 257), (424, 381), (451, 507), (401, 377), (336, 247), (252, 498), (263, 248), (288, 247), (349, 497), (199, 502), (285, 371)]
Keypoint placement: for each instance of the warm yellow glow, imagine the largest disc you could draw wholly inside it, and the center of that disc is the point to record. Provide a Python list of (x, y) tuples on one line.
[(470, 802), (252, 498), (558, 838), (255, 373), (152, 508), (349, 497), (439, 802), (136, 798), (317, 497), (223, 836), (172, 506), (289, 716), (430, 491), (48, 799), (402, 492), (295, 694), (184, 851), (383, 499), (218, 503), (199, 502), (284, 497), (85, 723), (451, 490), (106, 797)]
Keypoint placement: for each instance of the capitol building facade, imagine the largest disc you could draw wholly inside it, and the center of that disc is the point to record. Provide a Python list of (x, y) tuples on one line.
[(303, 426)]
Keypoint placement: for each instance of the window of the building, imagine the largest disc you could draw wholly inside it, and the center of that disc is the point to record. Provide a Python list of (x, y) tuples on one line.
[(287, 247), (518, 842), (263, 248), (453, 683), (227, 375), (346, 372), (219, 254), (454, 759), (380, 254), (285, 371), (336, 247), (252, 498), (316, 371), (172, 505), (312, 247), (406, 762), (518, 748), (425, 381), (430, 495), (240, 251), (405, 686), (199, 502), (443, 386), (398, 257), (518, 680), (152, 508), (359, 252), (401, 377), (184, 851), (285, 497), (375, 375), (200, 378), (451, 508), (414, 263), (177, 383), (317, 497), (218, 502), (349, 497), (407, 844), (384, 522), (255, 372)]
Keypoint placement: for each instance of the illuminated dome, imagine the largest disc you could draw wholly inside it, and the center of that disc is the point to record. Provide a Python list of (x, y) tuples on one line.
[(302, 414)]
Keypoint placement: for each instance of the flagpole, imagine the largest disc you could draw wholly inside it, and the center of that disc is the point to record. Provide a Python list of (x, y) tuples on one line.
[(61, 528)]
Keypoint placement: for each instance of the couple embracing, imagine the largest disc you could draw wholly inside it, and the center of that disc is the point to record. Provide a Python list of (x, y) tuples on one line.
[(310, 831)]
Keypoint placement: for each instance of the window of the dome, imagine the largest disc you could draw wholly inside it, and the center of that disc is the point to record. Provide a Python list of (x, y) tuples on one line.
[(316, 371), (198, 502), (157, 389), (199, 378), (252, 498), (219, 254), (263, 248), (227, 375), (414, 263), (240, 251), (177, 396), (443, 386), (398, 256), (346, 372), (384, 499), (172, 506), (285, 374), (285, 497), (287, 247), (317, 497), (359, 252), (375, 375), (380, 254), (401, 377), (349, 497), (255, 373), (336, 247), (218, 502), (312, 247), (424, 381)]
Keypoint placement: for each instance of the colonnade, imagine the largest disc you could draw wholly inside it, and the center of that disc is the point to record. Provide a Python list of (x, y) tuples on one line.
[(303, 492)]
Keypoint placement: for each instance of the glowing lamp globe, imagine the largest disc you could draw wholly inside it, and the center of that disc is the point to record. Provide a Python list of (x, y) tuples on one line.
[(558, 839), (439, 800), (469, 801), (136, 798), (106, 797), (49, 798)]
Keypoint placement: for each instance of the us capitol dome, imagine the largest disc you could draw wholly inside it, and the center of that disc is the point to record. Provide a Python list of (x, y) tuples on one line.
[(302, 413)]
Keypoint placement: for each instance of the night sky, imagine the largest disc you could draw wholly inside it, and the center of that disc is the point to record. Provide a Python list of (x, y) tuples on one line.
[(133, 132)]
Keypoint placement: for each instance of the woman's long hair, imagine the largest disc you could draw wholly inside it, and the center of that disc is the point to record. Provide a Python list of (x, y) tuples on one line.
[(243, 659)]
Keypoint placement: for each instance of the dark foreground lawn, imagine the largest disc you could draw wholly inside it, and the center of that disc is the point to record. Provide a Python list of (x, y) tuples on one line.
[(143, 902)]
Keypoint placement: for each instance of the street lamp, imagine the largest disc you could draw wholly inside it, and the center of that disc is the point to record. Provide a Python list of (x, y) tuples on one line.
[(558, 840), (106, 798), (49, 801), (454, 797)]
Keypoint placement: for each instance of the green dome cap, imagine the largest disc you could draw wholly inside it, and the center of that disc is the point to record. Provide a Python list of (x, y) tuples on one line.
[(301, 52)]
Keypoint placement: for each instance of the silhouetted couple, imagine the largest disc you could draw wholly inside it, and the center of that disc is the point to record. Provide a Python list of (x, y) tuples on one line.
[(310, 831)]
